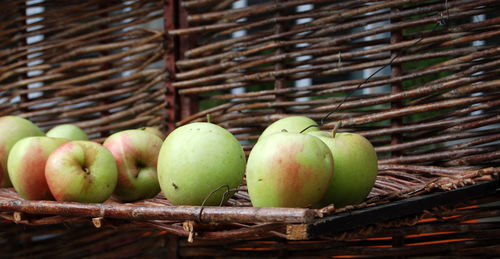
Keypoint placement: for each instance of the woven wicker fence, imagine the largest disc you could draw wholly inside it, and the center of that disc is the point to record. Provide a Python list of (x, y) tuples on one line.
[(83, 62), (419, 79)]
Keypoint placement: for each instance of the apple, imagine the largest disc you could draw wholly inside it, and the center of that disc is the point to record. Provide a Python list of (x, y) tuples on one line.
[(155, 131), (67, 131), (195, 160), (291, 124), (81, 171), (26, 166), (356, 168), (136, 155), (13, 129), (287, 169)]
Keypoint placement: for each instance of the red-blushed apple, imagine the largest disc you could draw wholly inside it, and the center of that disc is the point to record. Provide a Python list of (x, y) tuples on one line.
[(293, 124), (136, 155), (13, 129), (356, 168), (288, 169), (67, 131), (195, 160), (155, 131), (81, 171), (26, 166)]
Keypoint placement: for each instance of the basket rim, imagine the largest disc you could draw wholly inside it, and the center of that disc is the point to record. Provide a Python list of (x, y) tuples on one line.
[(300, 223)]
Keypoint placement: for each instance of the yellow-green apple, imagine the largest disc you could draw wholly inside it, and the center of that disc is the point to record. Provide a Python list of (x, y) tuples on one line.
[(195, 160), (291, 124), (26, 166), (155, 131), (13, 129), (287, 169), (136, 155), (81, 171), (356, 168), (67, 131)]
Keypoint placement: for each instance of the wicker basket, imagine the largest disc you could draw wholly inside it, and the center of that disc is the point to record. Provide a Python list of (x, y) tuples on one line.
[(418, 78)]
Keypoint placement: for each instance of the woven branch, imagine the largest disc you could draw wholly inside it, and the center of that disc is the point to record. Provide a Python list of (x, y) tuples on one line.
[(91, 52)]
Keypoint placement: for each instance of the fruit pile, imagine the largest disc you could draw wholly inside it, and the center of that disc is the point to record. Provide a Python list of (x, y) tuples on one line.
[(197, 164), (64, 165)]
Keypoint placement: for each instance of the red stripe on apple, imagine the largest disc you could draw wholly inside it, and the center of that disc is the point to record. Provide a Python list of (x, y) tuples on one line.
[(81, 171), (136, 155)]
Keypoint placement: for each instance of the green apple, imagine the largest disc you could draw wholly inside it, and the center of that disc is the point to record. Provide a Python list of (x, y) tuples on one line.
[(26, 166), (155, 131), (136, 155), (291, 124), (67, 131), (195, 160), (288, 169), (81, 171), (356, 168), (13, 129)]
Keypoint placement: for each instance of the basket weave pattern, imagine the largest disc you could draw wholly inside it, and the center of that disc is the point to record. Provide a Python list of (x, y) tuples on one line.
[(86, 63), (432, 113)]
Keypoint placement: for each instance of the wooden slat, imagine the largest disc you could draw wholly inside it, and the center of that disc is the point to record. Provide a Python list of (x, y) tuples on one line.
[(350, 220)]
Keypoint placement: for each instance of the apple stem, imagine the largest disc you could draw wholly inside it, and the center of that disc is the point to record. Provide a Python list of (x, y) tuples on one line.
[(86, 170), (337, 126), (208, 117)]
